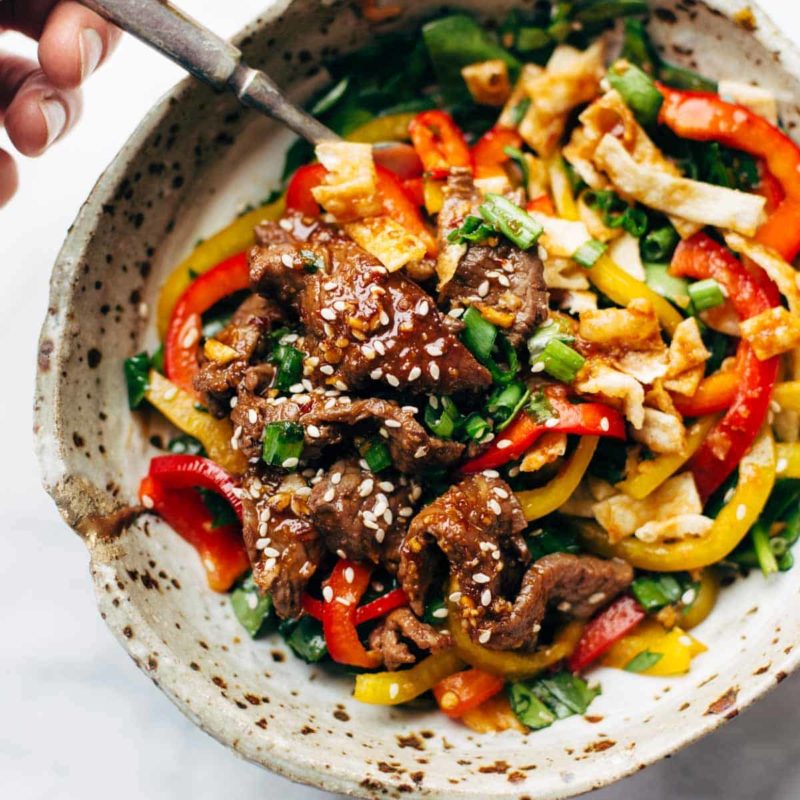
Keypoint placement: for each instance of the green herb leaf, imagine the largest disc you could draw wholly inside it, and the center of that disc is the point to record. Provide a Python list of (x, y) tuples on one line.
[(136, 371), (539, 702), (505, 402), (473, 230), (643, 661), (553, 537), (653, 592), (252, 609), (476, 427), (528, 708), (540, 408)]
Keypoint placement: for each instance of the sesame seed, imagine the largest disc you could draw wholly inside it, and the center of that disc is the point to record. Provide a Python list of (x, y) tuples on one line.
[(480, 577), (368, 352), (269, 564), (490, 473), (379, 535), (414, 373), (454, 597), (688, 597), (406, 511), (303, 491), (336, 478), (486, 597), (729, 495), (484, 636), (379, 347), (604, 424), (434, 370), (328, 313), (394, 690), (147, 501), (741, 511), (296, 388), (287, 260), (271, 552), (388, 517), (252, 416), (504, 443), (366, 487), (291, 463), (553, 421), (384, 318), (380, 506), (495, 506), (329, 495), (392, 380), (172, 393), (564, 605), (597, 597), (329, 286), (370, 523), (455, 313), (340, 305), (423, 308), (483, 289), (421, 452), (313, 431), (782, 465), (190, 339), (500, 492), (327, 594), (386, 486), (538, 367), (434, 349), (376, 374), (234, 401), (392, 423), (349, 575), (775, 406), (503, 281)]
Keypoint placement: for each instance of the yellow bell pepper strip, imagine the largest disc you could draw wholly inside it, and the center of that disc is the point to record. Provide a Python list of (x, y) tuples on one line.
[(675, 647), (647, 476), (787, 395), (493, 716), (756, 479), (561, 189), (179, 408), (230, 240), (540, 502), (391, 128), (607, 276), (393, 688), (787, 460), (508, 664), (705, 601)]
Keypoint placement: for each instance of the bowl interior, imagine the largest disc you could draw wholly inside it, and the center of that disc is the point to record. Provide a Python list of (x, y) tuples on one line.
[(192, 165)]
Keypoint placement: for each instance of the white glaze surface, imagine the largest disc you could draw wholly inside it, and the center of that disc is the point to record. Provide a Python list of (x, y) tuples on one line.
[(77, 717)]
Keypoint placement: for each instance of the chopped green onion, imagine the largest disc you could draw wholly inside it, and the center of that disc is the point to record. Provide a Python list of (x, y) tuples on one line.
[(472, 230), (252, 608), (637, 48), (476, 427), (519, 111), (761, 544), (506, 402), (643, 661), (705, 294), (137, 369), (283, 444), (441, 416), (512, 221), (305, 638), (479, 334), (561, 361), (682, 78), (290, 365), (540, 408), (518, 157), (377, 455), (555, 328), (658, 278), (435, 611), (653, 592), (588, 253), (638, 91), (660, 244), (509, 356)]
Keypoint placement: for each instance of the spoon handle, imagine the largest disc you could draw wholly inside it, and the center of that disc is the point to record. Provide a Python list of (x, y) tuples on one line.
[(209, 58)]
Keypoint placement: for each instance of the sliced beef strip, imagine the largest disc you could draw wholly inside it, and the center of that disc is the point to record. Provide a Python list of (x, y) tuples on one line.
[(504, 278), (400, 634), (245, 333), (360, 515), (284, 547), (476, 524), (410, 445), (576, 585), (368, 325)]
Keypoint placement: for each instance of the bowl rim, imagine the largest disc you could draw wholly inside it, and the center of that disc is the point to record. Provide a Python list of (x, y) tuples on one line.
[(175, 678)]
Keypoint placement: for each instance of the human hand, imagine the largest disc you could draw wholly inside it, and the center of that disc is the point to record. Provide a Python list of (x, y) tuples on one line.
[(40, 102)]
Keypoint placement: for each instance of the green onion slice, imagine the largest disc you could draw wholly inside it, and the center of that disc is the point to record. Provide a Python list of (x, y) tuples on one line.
[(283, 444), (512, 221), (588, 253), (377, 455), (705, 294), (561, 361)]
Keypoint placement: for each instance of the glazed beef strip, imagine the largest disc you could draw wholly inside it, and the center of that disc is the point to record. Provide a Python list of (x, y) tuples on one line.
[(477, 526), (365, 325), (504, 278), (401, 635), (360, 515), (284, 547)]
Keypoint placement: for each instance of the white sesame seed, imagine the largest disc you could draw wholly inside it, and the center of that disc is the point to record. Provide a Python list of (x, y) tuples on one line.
[(503, 281), (433, 369), (340, 305), (597, 597), (409, 409), (729, 495), (484, 636), (380, 506), (490, 473), (483, 289), (376, 374), (328, 313), (252, 416), (455, 313), (564, 605), (329, 286), (271, 552), (495, 506), (349, 575), (366, 487), (480, 577), (386, 486), (329, 495), (269, 564), (421, 452), (172, 393), (379, 347), (604, 424), (538, 367), (234, 402), (775, 406), (782, 465), (370, 523), (392, 380), (369, 353), (406, 511), (303, 491), (291, 463), (336, 477), (414, 373), (296, 388), (423, 308), (191, 337), (688, 597), (553, 421), (504, 443), (313, 431), (486, 597), (435, 348), (384, 318), (287, 260), (394, 690), (500, 492), (392, 423), (327, 594), (379, 535), (342, 387), (147, 501), (741, 511)]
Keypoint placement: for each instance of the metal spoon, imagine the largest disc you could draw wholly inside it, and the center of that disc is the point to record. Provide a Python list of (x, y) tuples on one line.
[(209, 58)]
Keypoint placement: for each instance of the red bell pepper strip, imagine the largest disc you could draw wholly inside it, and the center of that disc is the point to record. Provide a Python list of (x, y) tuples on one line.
[(705, 117), (415, 189), (344, 588), (488, 153), (585, 419), (186, 472), (439, 142), (397, 204), (463, 691), (182, 343), (769, 187), (379, 607), (221, 550), (542, 203), (609, 626), (700, 257)]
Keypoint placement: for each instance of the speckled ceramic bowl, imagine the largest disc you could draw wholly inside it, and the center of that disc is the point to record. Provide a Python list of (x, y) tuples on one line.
[(195, 160)]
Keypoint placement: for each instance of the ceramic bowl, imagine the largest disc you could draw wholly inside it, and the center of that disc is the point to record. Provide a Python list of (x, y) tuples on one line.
[(193, 163)]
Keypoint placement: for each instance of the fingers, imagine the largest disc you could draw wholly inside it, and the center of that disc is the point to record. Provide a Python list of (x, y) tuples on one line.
[(40, 113), (74, 42), (8, 177)]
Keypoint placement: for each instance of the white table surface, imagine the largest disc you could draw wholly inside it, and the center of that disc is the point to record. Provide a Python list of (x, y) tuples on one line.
[(77, 719)]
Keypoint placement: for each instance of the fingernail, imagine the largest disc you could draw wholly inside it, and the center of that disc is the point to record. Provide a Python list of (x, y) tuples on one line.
[(91, 51), (55, 118)]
